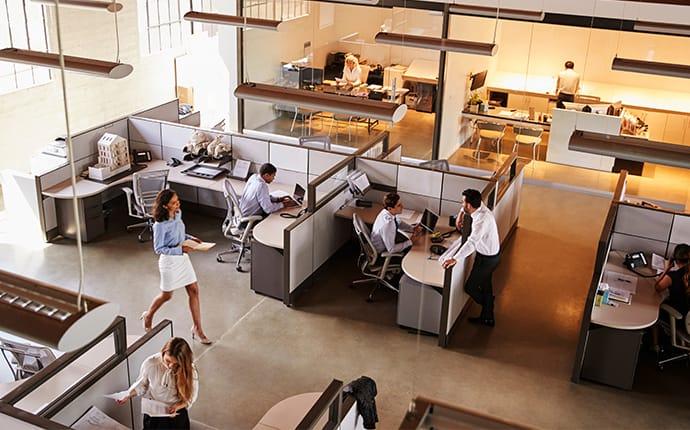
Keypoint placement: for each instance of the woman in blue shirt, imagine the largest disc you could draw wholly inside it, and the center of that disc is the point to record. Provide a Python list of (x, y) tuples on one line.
[(174, 264)]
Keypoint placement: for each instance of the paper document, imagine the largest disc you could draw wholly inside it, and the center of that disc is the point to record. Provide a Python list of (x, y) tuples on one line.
[(620, 295), (154, 408), (278, 194), (117, 396), (407, 214), (658, 262), (621, 281), (203, 246), (362, 183), (95, 419), (241, 169)]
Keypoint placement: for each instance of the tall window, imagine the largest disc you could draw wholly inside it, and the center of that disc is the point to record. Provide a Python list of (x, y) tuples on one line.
[(280, 10), (162, 24), (22, 25)]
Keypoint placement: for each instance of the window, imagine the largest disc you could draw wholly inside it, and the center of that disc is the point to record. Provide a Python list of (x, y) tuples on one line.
[(162, 24), (22, 25), (279, 10)]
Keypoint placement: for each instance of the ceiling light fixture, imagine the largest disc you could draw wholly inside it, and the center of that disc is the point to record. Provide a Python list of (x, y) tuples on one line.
[(662, 28), (237, 21), (450, 45), (491, 12), (651, 67), (49, 315), (109, 6), (381, 110), (630, 148), (89, 66)]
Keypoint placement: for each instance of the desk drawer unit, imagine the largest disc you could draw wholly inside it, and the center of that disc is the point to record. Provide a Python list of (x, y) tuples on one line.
[(611, 356), (412, 295)]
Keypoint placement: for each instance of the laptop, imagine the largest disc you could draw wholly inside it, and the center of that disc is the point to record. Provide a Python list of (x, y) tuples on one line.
[(296, 199), (429, 220)]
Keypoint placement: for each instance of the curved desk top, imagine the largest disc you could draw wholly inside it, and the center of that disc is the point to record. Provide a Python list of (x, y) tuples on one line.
[(642, 312), (269, 232), (288, 413)]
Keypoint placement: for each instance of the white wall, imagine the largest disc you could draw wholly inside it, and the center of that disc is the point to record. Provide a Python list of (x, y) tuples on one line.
[(31, 117)]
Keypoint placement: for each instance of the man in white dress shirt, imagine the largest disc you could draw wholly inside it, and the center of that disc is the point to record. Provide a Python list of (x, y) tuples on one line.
[(385, 234), (483, 240), (256, 199), (568, 83)]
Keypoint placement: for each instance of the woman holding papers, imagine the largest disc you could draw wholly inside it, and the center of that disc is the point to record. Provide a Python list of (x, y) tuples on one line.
[(169, 383), (174, 264)]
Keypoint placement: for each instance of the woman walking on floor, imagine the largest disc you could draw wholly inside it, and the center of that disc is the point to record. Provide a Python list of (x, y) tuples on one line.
[(174, 264)]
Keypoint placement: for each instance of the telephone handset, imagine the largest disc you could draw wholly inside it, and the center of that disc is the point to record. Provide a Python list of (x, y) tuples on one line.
[(174, 162), (635, 259)]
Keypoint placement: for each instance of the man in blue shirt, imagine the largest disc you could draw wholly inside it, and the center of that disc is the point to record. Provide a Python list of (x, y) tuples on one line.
[(256, 199)]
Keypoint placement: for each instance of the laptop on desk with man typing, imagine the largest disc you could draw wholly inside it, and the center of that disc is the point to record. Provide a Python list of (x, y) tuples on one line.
[(296, 199)]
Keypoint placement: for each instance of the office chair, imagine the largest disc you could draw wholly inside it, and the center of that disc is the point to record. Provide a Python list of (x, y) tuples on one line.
[(236, 227), (25, 360), (528, 136), (677, 328), (369, 260), (436, 165), (341, 118), (489, 131), (140, 201)]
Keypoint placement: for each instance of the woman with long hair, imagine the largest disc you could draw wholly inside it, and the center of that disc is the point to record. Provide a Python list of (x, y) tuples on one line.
[(174, 264), (677, 281), (168, 377)]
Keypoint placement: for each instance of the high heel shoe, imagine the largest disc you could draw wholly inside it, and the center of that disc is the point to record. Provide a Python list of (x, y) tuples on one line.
[(144, 316), (202, 340)]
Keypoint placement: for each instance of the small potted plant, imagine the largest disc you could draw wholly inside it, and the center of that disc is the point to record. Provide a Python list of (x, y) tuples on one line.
[(475, 102)]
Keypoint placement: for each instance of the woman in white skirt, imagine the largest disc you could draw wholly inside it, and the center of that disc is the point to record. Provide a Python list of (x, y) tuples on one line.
[(174, 263)]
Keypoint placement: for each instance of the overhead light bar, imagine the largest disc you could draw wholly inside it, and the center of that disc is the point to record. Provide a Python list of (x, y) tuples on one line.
[(451, 45), (491, 12), (89, 66), (651, 67), (85, 4), (237, 21), (630, 148), (661, 28), (381, 110), (49, 315), (362, 2)]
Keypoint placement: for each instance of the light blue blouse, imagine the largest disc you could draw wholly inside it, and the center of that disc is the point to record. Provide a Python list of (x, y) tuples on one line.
[(169, 235)]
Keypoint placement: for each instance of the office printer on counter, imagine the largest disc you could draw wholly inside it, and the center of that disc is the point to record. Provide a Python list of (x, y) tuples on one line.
[(58, 147)]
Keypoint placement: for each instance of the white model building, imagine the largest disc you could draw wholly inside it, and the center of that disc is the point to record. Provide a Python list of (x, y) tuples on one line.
[(113, 156)]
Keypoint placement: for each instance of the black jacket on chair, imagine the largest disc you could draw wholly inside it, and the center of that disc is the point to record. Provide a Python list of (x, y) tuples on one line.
[(364, 390)]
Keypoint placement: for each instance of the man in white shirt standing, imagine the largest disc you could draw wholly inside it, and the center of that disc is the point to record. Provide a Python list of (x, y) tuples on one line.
[(385, 234), (568, 83), (483, 240), (256, 199)]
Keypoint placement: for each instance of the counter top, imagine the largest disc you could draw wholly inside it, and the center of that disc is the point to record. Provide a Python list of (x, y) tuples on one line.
[(642, 312), (270, 231), (288, 413), (494, 115)]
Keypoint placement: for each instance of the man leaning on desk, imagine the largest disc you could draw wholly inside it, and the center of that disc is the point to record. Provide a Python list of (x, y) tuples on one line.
[(386, 233), (485, 241), (256, 199)]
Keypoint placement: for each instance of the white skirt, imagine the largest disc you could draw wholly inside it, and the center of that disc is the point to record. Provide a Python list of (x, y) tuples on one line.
[(176, 271)]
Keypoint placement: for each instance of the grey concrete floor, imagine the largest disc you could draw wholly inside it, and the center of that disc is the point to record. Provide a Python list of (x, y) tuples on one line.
[(265, 352)]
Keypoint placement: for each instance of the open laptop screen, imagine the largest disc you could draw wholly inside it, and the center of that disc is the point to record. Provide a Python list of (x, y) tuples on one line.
[(429, 220)]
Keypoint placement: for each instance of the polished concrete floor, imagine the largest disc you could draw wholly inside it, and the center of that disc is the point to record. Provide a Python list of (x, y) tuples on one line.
[(519, 370)]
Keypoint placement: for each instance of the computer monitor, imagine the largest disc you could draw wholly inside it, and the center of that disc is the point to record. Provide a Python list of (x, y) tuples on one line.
[(310, 76), (358, 183), (429, 220), (478, 80), (299, 193)]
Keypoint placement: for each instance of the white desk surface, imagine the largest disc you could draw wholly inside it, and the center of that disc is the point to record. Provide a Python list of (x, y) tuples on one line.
[(425, 71), (87, 188), (288, 413), (269, 232), (643, 310), (416, 263)]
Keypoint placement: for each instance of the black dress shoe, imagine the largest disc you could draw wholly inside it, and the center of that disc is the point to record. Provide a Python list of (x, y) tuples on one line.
[(489, 322)]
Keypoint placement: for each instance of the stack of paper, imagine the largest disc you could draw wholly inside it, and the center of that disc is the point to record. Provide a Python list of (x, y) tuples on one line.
[(203, 246)]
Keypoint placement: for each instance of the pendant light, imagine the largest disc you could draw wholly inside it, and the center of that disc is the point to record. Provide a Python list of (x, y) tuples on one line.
[(662, 28), (651, 67), (238, 21), (437, 43), (491, 12), (381, 110), (90, 66), (49, 315), (109, 6)]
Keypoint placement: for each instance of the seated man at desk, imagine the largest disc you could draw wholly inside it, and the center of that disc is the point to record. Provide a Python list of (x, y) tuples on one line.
[(256, 199), (386, 233), (352, 73)]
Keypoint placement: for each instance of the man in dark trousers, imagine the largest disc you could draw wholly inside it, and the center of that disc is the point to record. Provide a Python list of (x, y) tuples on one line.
[(483, 240)]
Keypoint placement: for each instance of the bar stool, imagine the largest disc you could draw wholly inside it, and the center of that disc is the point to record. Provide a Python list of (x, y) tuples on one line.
[(489, 131), (528, 136)]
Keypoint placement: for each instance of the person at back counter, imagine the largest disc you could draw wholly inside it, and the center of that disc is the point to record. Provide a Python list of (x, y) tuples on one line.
[(385, 234), (568, 83), (352, 73)]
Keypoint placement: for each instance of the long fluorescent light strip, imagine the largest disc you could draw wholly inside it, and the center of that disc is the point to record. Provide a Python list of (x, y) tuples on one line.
[(451, 45), (661, 28), (381, 110), (490, 12), (89, 66), (85, 4), (651, 67), (237, 21)]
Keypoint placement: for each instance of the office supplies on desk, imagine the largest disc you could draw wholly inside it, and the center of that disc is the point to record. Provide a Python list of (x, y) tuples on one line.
[(241, 169), (635, 259), (658, 262), (361, 203), (358, 182), (174, 162), (621, 281), (141, 156), (205, 172)]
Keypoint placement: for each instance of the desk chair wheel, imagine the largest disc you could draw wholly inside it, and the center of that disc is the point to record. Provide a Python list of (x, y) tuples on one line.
[(220, 259)]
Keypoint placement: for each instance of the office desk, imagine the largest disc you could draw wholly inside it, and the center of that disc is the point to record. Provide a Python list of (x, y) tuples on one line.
[(288, 413), (518, 118), (423, 282), (614, 338)]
